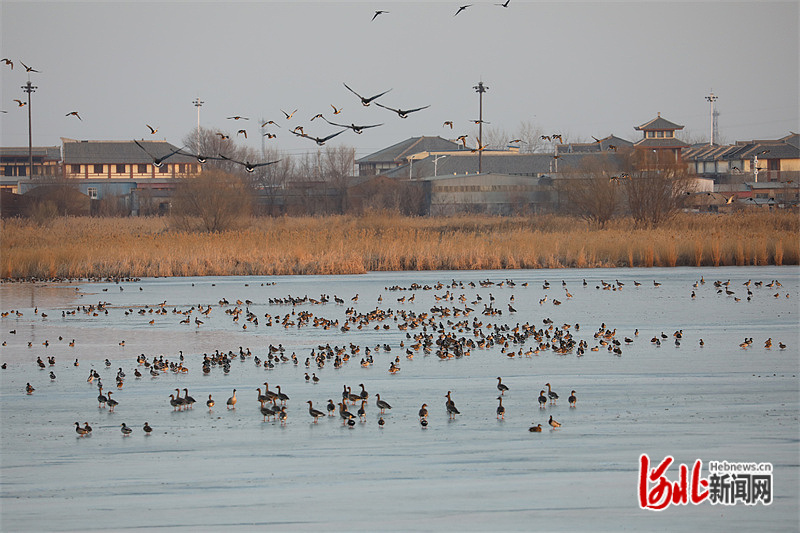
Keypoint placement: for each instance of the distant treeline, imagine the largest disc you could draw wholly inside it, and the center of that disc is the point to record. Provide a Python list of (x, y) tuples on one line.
[(83, 247)]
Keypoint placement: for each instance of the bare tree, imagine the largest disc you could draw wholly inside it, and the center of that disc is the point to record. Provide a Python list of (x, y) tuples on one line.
[(656, 187), (211, 202), (591, 190), (270, 181), (211, 144), (530, 136), (338, 165)]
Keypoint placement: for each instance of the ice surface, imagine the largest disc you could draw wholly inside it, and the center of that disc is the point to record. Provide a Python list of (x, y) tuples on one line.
[(229, 471)]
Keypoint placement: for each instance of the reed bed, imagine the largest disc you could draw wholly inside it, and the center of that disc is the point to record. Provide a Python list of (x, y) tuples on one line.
[(146, 247)]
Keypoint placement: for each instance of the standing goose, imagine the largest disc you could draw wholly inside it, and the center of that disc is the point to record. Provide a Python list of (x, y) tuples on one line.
[(125, 430), (344, 413), (181, 401), (111, 403), (382, 405), (364, 394), (501, 411), (316, 413), (87, 427), (232, 401), (542, 400), (267, 411), (210, 403), (331, 407), (553, 396), (452, 411), (353, 397), (282, 415), (79, 430), (173, 402), (572, 399), (553, 423), (101, 399), (281, 396), (147, 429), (362, 411), (502, 388), (188, 400), (423, 411), (262, 397)]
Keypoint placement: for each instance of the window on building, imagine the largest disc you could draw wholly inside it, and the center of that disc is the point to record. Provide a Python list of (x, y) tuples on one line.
[(181, 168), (22, 171), (651, 134), (163, 169), (75, 169), (98, 169), (660, 134), (92, 193), (8, 170), (669, 134), (120, 169), (141, 169)]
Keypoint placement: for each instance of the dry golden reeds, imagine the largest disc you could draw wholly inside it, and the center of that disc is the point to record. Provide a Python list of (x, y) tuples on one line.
[(143, 247)]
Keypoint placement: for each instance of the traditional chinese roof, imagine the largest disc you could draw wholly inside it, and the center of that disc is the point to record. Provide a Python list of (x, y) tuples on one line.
[(658, 123), (48, 153)]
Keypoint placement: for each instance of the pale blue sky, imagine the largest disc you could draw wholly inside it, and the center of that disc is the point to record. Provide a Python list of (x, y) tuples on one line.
[(578, 68)]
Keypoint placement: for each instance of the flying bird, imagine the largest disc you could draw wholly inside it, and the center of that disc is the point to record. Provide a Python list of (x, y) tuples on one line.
[(237, 117), (158, 161), (249, 167), (515, 141), (557, 136), (8, 62), (318, 115), (612, 147), (504, 4), (152, 129), (336, 110), (318, 140), (448, 123), (479, 121), (357, 129), (223, 136), (20, 103), (27, 68), (463, 139), (269, 135), (270, 122), (289, 115), (546, 138), (730, 200), (298, 128), (462, 8), (379, 12), (74, 113), (366, 101), (243, 132), (402, 113)]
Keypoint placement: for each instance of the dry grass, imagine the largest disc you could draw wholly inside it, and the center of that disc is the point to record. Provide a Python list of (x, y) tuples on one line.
[(141, 247)]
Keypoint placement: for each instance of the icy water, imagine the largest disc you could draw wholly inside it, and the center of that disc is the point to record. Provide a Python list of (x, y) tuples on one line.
[(228, 470)]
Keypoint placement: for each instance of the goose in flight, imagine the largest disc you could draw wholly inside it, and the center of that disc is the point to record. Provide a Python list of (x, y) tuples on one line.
[(462, 8), (158, 161), (366, 101), (74, 114), (318, 140), (402, 113), (249, 167), (357, 129)]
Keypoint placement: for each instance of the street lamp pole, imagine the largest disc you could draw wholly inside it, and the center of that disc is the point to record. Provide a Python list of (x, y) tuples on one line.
[(28, 88), (480, 89), (711, 98), (198, 104), (436, 164)]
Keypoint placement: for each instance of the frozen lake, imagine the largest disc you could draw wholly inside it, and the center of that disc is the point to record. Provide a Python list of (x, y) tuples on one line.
[(227, 470)]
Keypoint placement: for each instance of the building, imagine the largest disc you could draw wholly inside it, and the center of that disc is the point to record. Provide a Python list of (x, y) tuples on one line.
[(15, 165), (494, 194), (397, 155), (658, 144)]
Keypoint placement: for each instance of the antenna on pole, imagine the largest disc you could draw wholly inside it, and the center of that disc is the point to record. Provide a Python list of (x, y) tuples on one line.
[(711, 98), (28, 88), (198, 104), (480, 89)]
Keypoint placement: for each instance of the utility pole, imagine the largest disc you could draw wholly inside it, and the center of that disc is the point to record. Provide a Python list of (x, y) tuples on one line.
[(480, 89), (198, 104), (711, 98), (28, 88)]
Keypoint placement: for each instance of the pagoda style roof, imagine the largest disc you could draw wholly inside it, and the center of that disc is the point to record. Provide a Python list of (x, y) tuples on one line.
[(659, 123), (660, 143)]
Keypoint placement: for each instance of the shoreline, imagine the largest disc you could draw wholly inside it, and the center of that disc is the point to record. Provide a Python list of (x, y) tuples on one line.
[(103, 249)]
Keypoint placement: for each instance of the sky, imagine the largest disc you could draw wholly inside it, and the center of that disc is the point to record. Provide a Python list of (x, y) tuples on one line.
[(580, 69)]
